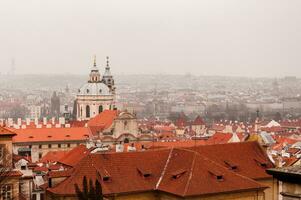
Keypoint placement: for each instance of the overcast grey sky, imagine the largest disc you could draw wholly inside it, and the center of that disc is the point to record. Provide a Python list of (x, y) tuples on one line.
[(204, 37)]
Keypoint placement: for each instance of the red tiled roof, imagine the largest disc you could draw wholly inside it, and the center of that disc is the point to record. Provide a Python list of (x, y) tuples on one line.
[(6, 132), (183, 172), (57, 174), (198, 121), (219, 138), (247, 156), (51, 134), (199, 176), (53, 156), (104, 119), (72, 157), (13, 173)]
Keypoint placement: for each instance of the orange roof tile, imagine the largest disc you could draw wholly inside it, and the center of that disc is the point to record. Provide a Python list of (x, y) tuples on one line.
[(51, 134), (53, 156), (72, 157), (182, 172), (104, 119)]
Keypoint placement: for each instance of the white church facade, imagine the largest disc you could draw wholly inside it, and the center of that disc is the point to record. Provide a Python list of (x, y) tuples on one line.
[(97, 95)]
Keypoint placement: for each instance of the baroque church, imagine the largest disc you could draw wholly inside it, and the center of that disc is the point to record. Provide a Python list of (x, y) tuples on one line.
[(96, 95)]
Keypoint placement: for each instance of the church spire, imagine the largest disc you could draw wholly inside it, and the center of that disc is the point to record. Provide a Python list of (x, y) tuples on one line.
[(108, 65), (94, 61)]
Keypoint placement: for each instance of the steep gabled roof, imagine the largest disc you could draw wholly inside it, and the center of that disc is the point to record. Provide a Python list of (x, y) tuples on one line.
[(249, 157), (104, 120), (198, 121), (182, 172), (72, 157), (188, 173)]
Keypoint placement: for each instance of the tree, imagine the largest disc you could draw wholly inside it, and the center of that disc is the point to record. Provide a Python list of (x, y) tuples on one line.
[(90, 191), (5, 163)]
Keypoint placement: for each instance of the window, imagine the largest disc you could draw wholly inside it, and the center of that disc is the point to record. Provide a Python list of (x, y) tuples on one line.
[(87, 111), (68, 145), (30, 146), (6, 192), (40, 155), (59, 145), (49, 146), (23, 167), (88, 91), (100, 109), (125, 125), (40, 146)]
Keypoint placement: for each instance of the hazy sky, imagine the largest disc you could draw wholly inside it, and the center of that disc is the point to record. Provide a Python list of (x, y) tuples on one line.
[(205, 37)]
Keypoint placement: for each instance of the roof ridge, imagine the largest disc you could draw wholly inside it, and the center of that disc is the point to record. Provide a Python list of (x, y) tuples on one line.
[(190, 174), (164, 169)]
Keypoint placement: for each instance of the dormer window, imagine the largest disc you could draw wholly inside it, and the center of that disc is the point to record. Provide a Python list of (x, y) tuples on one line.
[(217, 175), (144, 172), (262, 163), (230, 165), (178, 174)]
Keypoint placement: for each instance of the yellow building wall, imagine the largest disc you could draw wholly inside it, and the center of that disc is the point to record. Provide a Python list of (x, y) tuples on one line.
[(271, 193)]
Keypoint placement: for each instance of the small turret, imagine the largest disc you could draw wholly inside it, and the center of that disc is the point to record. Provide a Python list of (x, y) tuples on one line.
[(108, 78)]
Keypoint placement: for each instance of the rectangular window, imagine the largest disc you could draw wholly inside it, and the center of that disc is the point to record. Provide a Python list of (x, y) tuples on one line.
[(49, 146), (59, 145), (40, 155), (40, 146), (6, 192), (68, 145)]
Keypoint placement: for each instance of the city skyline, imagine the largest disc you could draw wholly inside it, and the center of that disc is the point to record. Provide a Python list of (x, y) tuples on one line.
[(250, 38)]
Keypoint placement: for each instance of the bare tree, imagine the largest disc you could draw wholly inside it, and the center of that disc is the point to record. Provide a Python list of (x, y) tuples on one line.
[(5, 163)]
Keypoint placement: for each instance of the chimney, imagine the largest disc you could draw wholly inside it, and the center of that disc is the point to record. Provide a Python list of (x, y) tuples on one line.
[(27, 121), (62, 120), (119, 147), (10, 122), (19, 121), (36, 121), (44, 121)]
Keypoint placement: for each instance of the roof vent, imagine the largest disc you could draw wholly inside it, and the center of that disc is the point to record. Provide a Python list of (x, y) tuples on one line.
[(177, 174), (49, 136), (262, 163), (217, 175), (231, 165), (144, 172), (30, 136), (67, 135)]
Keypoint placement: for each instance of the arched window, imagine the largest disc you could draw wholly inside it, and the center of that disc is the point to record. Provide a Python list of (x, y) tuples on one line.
[(100, 109), (88, 111)]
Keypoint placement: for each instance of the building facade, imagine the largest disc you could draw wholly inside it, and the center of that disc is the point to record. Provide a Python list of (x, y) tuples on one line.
[(97, 95)]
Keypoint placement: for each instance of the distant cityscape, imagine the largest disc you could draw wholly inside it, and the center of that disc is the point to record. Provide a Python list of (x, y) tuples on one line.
[(159, 96)]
